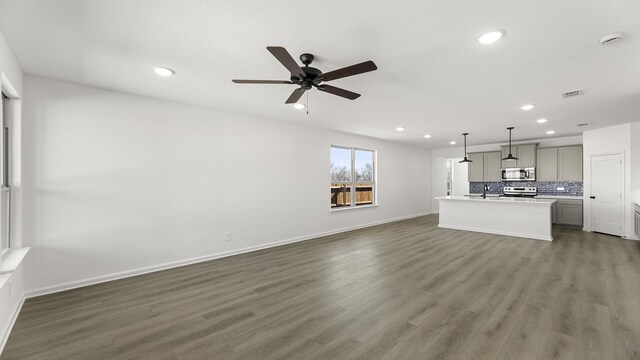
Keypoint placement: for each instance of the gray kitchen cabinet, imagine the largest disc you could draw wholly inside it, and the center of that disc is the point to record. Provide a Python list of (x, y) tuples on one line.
[(554, 213), (570, 163), (485, 166), (526, 155), (547, 164), (569, 212), (476, 168), (492, 166)]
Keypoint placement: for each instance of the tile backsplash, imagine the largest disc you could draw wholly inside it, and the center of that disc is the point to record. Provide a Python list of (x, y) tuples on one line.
[(571, 188)]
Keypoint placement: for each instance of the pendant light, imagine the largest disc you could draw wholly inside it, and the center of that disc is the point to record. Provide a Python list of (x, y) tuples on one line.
[(510, 157), (465, 160)]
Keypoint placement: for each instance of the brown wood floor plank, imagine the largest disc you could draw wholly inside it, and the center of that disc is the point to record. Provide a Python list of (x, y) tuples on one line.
[(557, 346), (404, 290)]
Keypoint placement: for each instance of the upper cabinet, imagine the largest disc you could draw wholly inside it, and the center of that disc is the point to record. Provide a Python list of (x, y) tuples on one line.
[(476, 168), (526, 155), (560, 163), (492, 166), (547, 169), (485, 166), (570, 163)]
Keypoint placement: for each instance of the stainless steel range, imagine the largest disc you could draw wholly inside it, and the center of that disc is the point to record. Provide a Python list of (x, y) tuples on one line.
[(520, 191)]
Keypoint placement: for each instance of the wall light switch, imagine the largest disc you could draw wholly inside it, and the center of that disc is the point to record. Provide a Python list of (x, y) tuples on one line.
[(560, 188)]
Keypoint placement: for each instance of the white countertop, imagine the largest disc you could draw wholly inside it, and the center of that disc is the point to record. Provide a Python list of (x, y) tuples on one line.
[(480, 194), (559, 197), (537, 196), (501, 200)]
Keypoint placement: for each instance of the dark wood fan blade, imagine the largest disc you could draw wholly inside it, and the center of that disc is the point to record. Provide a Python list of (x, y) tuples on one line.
[(261, 81), (285, 58), (340, 92), (349, 71), (295, 96)]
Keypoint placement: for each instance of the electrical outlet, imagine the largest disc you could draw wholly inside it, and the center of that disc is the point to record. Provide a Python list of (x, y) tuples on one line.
[(227, 236), (560, 188)]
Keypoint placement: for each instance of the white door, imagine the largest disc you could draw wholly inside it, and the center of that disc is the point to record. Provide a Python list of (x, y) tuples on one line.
[(606, 194)]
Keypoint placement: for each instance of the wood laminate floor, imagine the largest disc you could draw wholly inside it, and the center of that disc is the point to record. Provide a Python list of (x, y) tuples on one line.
[(405, 290)]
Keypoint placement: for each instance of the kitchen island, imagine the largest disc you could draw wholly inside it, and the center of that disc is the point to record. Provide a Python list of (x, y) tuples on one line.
[(511, 216)]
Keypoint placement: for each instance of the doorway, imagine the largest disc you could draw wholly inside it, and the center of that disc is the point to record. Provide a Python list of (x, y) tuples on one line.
[(607, 176), (457, 178)]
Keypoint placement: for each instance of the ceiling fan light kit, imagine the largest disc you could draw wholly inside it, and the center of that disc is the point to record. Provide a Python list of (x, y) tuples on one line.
[(309, 77)]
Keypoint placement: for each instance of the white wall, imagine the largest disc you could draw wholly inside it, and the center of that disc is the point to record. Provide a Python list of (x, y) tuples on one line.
[(9, 67), (613, 139), (11, 292), (439, 159), (117, 183)]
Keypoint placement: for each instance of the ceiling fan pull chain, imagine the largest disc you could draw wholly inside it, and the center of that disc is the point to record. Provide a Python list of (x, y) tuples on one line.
[(307, 103)]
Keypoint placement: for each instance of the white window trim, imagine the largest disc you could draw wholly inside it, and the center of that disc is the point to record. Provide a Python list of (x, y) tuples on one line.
[(14, 255), (353, 182), (4, 188)]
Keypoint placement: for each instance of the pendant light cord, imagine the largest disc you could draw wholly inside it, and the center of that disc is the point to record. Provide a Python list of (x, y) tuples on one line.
[(510, 142), (465, 146)]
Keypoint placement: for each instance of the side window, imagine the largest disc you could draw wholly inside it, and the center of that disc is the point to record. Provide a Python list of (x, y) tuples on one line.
[(352, 177), (5, 195)]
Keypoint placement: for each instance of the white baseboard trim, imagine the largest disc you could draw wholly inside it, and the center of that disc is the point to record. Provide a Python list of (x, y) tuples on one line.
[(129, 273), (4, 336), (506, 233)]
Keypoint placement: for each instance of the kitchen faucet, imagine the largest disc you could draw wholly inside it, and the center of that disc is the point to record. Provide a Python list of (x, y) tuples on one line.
[(484, 191)]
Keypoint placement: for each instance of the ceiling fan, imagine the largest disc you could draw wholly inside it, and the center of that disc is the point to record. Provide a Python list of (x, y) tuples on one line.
[(308, 77)]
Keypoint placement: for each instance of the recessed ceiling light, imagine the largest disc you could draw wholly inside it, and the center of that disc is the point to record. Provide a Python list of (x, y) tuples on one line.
[(400, 128), (452, 143), (527, 107), (541, 121), (427, 136), (163, 71), (550, 132), (298, 106), (491, 37)]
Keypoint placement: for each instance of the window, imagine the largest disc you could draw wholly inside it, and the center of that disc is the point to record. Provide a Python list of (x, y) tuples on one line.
[(352, 177), (5, 195)]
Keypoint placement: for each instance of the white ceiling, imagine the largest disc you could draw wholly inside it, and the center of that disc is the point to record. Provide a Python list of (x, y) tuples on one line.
[(433, 76)]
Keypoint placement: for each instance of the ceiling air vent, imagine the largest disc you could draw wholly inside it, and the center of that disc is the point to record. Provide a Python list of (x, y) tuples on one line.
[(573, 93), (613, 37), (584, 124)]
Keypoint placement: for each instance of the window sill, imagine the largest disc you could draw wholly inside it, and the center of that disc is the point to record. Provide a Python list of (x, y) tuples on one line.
[(353, 208), (4, 278), (12, 259)]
